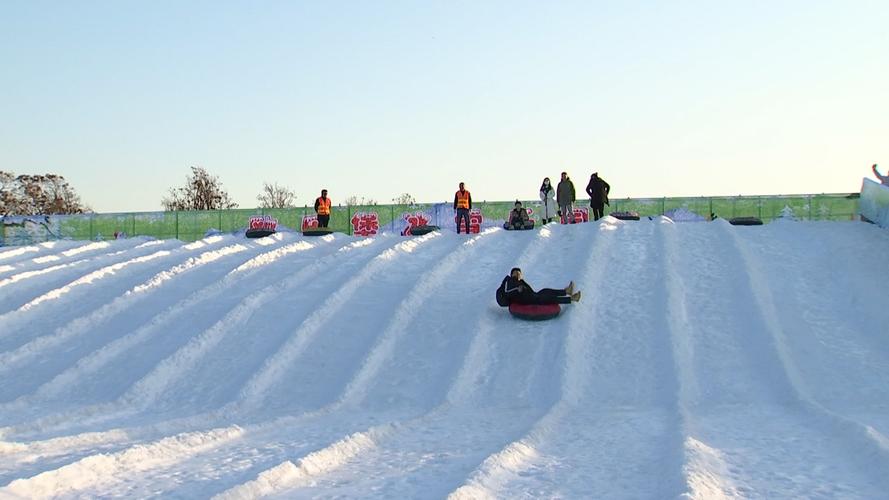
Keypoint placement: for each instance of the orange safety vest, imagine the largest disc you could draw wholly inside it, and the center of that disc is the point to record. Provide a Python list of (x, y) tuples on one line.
[(323, 206), (463, 199)]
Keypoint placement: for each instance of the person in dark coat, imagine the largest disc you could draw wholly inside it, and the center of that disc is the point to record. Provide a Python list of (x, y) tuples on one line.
[(518, 218), (598, 190), (519, 292), (565, 197)]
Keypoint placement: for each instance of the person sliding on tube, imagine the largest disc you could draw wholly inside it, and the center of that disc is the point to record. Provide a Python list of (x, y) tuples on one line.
[(519, 292), (462, 204), (518, 217)]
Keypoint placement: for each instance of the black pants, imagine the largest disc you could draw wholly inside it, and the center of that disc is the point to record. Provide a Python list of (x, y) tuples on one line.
[(323, 220), (463, 214), (545, 296), (598, 211)]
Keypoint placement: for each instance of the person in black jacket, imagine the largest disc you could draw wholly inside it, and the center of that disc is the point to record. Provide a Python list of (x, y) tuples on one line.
[(519, 292), (518, 218), (598, 190)]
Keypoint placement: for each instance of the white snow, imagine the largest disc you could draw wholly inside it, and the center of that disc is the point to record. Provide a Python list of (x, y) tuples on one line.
[(704, 361)]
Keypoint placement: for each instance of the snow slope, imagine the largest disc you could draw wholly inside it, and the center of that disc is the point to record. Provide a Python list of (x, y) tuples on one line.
[(704, 360)]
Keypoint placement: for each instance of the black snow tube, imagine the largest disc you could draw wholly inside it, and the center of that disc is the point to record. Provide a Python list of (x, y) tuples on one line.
[(514, 227), (535, 312), (317, 231), (625, 215), (259, 233), (745, 221), (421, 230)]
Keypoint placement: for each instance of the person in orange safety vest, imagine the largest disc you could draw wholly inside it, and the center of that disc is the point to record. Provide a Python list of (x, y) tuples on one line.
[(322, 208), (462, 204)]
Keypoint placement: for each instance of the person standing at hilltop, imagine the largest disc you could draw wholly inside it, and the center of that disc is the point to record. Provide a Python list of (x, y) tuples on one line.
[(598, 190), (462, 205), (565, 196), (322, 208), (548, 198)]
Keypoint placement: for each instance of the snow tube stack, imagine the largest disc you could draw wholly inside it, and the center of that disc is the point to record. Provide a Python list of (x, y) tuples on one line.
[(535, 312)]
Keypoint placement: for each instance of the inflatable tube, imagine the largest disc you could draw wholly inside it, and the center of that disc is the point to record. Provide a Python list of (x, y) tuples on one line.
[(535, 312), (526, 227), (421, 230), (259, 233), (625, 215), (745, 221), (317, 231)]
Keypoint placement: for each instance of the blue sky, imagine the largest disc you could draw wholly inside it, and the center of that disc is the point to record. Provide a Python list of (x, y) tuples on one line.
[(375, 99)]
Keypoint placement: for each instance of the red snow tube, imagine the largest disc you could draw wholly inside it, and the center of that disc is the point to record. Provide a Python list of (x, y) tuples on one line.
[(535, 312)]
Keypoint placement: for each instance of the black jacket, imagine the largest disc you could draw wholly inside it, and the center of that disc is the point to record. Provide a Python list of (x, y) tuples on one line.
[(598, 190), (515, 289)]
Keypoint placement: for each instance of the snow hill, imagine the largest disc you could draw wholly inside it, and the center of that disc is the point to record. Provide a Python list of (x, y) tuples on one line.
[(704, 360)]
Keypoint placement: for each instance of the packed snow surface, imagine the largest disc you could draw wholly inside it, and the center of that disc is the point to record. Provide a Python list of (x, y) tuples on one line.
[(705, 361)]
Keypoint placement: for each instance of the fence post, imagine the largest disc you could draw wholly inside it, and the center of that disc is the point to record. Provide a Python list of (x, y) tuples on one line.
[(663, 205), (392, 216), (809, 203), (133, 234), (349, 220), (220, 220), (177, 223), (91, 227), (760, 208)]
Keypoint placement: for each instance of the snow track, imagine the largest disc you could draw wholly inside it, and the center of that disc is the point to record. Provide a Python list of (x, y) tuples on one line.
[(704, 360)]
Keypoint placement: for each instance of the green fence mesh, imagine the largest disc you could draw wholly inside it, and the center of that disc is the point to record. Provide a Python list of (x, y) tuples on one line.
[(190, 226)]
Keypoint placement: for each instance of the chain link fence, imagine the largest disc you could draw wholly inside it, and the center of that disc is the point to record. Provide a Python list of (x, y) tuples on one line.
[(190, 226)]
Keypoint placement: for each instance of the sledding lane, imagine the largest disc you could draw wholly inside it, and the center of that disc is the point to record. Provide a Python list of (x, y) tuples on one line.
[(742, 411), (616, 434), (613, 431)]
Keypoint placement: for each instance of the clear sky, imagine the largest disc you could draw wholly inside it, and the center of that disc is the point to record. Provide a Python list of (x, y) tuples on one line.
[(377, 98)]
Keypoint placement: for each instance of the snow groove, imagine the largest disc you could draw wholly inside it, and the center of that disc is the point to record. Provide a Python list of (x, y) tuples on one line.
[(95, 361), (149, 388), (103, 470), (421, 292), (289, 475), (704, 469), (21, 276), (106, 312), (866, 439), (256, 388)]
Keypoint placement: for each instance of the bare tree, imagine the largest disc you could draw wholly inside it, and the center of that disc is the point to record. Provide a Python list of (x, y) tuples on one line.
[(46, 194), (354, 201), (404, 199), (275, 196), (202, 191)]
